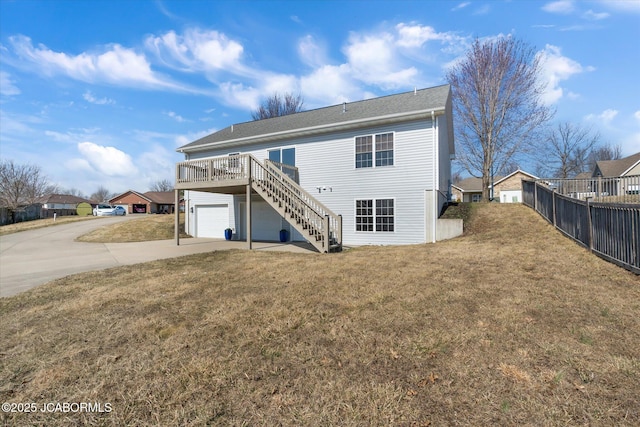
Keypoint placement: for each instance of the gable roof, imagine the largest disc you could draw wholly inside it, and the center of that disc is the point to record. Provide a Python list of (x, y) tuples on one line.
[(616, 167), (496, 182), (350, 115), (471, 184), (474, 185), (161, 197), (132, 192), (67, 199)]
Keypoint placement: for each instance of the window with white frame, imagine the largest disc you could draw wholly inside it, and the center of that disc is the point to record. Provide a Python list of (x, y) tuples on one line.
[(369, 155), (375, 215)]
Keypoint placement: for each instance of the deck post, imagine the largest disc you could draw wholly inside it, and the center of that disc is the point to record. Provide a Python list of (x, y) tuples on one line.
[(248, 203), (327, 233), (176, 209)]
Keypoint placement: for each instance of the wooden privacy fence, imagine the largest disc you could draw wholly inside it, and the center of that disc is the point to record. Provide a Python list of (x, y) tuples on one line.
[(610, 230)]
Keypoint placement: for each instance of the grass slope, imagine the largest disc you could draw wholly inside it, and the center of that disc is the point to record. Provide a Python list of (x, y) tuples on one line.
[(510, 324)]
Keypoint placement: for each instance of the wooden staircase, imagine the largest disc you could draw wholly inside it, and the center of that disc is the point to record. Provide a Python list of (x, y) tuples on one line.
[(318, 224)]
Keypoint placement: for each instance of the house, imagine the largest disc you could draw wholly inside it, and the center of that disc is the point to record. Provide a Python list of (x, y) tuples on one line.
[(369, 172), (62, 201), (149, 202), (623, 167), (627, 172), (506, 189)]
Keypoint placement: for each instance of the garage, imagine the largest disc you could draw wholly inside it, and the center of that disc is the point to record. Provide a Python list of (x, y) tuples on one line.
[(212, 220), (266, 222)]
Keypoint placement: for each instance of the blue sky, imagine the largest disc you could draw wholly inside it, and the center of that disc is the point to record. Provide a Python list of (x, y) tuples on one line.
[(103, 92)]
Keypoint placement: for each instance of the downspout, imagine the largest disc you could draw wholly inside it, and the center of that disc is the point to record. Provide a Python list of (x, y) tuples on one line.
[(435, 175)]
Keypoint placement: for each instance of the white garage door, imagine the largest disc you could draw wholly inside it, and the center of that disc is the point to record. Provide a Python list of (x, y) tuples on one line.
[(266, 222), (511, 196), (212, 220)]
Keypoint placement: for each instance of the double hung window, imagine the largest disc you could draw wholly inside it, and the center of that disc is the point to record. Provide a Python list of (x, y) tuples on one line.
[(374, 150), (375, 215)]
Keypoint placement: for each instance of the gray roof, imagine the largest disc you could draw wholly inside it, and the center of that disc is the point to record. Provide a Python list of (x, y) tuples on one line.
[(616, 167), (395, 108)]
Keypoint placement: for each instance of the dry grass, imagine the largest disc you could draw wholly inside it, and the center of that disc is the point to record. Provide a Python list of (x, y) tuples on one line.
[(512, 324), (142, 229), (40, 223)]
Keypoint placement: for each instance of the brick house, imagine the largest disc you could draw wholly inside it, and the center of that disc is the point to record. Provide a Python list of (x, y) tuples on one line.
[(149, 202), (507, 189)]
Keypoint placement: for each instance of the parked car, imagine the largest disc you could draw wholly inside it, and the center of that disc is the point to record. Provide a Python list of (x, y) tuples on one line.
[(103, 210), (119, 210)]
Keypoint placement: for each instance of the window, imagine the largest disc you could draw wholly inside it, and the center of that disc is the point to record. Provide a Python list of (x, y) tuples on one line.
[(285, 156), (382, 218), (383, 150), (384, 215), (364, 153), (476, 197)]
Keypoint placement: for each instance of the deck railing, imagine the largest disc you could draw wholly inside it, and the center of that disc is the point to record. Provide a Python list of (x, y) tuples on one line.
[(623, 189), (217, 169), (277, 183)]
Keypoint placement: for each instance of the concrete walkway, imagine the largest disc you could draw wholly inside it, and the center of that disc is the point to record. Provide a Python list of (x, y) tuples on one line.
[(32, 258)]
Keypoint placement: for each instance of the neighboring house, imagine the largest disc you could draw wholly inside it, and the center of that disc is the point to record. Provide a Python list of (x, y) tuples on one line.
[(622, 167), (507, 189), (369, 172), (149, 202), (62, 201), (627, 170)]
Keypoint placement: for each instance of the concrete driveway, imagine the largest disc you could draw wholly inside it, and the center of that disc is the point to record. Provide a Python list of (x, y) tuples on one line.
[(32, 258)]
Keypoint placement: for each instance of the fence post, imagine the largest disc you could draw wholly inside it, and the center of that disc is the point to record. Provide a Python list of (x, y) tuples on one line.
[(590, 224), (535, 196), (553, 206)]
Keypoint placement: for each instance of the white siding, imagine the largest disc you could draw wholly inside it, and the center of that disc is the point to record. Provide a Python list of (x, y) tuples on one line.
[(328, 161)]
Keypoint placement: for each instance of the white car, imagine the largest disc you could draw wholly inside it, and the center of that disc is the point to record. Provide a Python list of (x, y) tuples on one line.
[(104, 210)]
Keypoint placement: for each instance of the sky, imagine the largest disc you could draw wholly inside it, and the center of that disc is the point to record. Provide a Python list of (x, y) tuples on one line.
[(102, 93)]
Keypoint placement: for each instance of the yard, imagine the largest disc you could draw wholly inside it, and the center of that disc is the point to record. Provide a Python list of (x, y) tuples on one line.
[(511, 324)]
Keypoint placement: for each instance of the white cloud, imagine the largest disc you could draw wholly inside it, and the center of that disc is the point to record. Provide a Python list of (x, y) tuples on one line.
[(482, 10), (197, 50), (7, 86), (554, 69), (460, 6), (343, 88), (604, 118), (372, 60), (595, 16), (106, 160), (116, 65), (637, 115), (176, 117), (311, 52), (416, 35), (88, 96), (560, 6)]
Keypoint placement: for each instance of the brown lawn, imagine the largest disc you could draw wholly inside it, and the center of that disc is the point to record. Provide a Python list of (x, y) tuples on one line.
[(512, 324)]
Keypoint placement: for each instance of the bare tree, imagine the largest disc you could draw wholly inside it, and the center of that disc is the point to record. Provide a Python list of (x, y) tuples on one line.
[(566, 150), (163, 185), (22, 185), (603, 152), (101, 195), (275, 106), (497, 105)]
